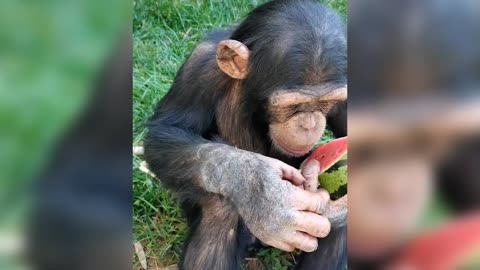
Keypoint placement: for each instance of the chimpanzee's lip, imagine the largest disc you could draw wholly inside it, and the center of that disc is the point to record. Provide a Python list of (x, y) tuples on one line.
[(293, 152)]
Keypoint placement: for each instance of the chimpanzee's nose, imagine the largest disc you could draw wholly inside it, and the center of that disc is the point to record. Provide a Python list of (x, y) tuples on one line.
[(307, 121)]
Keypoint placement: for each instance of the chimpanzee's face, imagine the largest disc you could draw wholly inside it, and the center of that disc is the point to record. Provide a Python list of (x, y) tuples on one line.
[(298, 116), (306, 48)]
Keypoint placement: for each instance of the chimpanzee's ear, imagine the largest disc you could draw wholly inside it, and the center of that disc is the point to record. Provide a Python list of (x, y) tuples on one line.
[(232, 58)]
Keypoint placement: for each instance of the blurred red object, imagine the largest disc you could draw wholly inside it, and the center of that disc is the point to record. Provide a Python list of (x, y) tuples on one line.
[(446, 248)]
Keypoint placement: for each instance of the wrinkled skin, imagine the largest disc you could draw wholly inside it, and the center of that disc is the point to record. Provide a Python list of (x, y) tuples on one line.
[(284, 215)]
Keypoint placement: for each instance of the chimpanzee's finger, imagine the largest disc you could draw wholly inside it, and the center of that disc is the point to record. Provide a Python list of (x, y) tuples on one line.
[(291, 174), (313, 224), (286, 172), (303, 241), (316, 202), (280, 245), (310, 171)]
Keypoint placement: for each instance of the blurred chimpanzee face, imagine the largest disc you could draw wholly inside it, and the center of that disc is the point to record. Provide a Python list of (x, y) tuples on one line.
[(391, 177), (395, 191)]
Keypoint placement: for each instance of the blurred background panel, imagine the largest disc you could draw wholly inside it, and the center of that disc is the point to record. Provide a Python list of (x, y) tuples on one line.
[(414, 134), (52, 73)]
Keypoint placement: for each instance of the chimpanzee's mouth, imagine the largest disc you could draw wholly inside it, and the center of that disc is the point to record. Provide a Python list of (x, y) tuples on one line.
[(284, 148)]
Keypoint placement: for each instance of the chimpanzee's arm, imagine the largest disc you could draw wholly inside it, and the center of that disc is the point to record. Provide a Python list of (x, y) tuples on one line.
[(193, 167), (181, 154), (181, 151), (177, 142), (180, 147)]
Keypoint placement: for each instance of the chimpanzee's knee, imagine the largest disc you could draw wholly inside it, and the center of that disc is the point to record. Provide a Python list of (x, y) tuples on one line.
[(217, 238)]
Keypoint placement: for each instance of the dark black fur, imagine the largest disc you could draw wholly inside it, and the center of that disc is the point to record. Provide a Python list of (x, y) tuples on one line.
[(283, 37)]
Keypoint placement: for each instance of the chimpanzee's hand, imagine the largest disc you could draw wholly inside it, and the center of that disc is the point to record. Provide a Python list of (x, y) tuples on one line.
[(276, 211), (336, 211)]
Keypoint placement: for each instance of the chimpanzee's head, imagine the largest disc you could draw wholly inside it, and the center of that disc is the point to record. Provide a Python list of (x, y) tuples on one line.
[(291, 59)]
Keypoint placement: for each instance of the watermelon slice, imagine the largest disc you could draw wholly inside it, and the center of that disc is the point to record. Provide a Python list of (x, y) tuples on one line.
[(329, 153), (445, 248)]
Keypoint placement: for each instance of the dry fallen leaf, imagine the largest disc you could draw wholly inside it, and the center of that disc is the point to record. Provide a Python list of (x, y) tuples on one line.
[(138, 150), (140, 254), (144, 168), (253, 264), (171, 267)]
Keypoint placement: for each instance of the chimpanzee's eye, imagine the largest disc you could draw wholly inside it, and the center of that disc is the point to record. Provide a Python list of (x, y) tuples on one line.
[(294, 109), (325, 106)]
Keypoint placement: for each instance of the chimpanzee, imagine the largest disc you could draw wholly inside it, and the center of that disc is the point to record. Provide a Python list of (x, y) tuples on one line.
[(81, 215), (243, 112)]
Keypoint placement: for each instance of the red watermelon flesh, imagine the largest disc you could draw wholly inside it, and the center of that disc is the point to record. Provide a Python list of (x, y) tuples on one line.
[(445, 248), (329, 153)]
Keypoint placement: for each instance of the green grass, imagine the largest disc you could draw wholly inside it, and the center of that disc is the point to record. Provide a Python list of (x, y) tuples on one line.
[(165, 32), (51, 53)]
